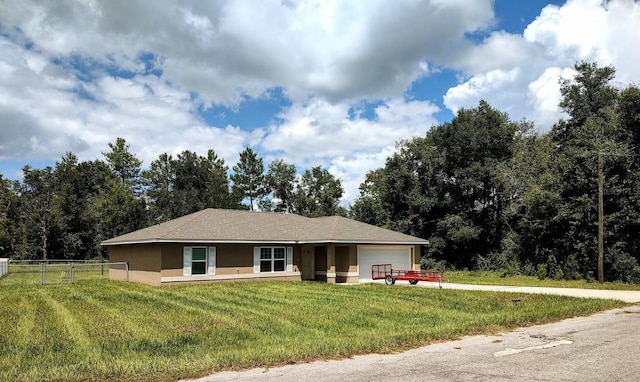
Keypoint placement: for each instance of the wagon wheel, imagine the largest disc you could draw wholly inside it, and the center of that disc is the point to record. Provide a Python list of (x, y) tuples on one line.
[(389, 280), (413, 282)]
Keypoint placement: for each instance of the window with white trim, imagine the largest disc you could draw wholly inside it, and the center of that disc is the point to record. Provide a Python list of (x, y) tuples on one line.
[(199, 261), (272, 259)]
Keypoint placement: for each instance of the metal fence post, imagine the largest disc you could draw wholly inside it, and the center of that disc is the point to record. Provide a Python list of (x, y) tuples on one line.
[(72, 274), (43, 270), (126, 267)]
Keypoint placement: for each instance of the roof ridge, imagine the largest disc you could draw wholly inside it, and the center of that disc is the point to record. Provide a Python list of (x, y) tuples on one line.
[(330, 229), (334, 226)]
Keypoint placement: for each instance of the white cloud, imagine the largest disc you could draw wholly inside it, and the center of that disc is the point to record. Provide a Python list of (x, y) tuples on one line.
[(327, 56), (227, 50), (499, 51), (543, 96), (492, 84), (46, 113), (62, 88), (523, 78), (319, 130), (320, 133), (351, 170)]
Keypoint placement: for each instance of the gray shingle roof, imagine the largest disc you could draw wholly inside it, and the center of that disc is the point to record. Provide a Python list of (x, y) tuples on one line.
[(237, 226)]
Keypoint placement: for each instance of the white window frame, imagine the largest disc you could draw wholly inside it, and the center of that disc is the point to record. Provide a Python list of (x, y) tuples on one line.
[(288, 259), (210, 265)]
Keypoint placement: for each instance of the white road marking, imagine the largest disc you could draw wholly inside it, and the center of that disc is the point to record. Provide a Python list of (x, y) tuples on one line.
[(551, 344)]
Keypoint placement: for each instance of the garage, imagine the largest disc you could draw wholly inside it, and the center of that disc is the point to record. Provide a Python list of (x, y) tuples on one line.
[(399, 256)]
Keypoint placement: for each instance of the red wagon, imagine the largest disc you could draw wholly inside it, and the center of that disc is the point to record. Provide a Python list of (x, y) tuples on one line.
[(390, 275)]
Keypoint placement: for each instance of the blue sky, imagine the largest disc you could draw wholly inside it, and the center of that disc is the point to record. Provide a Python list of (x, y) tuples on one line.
[(334, 83)]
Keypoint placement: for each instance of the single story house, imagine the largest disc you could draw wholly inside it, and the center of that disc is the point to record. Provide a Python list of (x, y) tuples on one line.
[(219, 244)]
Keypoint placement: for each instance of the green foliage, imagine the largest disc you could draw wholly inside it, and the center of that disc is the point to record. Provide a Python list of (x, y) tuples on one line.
[(124, 164), (493, 194), (38, 221), (113, 331), (635, 275), (486, 192), (505, 261), (189, 183), (67, 211), (621, 266), (449, 186), (280, 179), (542, 271), (432, 264), (8, 212), (318, 193), (120, 211), (248, 177), (80, 188)]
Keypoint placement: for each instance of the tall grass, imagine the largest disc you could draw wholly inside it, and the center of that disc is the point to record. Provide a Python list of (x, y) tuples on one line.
[(120, 331)]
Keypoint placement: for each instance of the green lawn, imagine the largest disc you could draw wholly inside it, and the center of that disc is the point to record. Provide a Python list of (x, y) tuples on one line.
[(494, 278), (126, 331)]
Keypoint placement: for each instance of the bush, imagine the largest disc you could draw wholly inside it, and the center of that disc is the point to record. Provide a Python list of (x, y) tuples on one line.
[(621, 266), (497, 262), (541, 271), (571, 268), (554, 270), (635, 275), (487, 263), (431, 263), (528, 270)]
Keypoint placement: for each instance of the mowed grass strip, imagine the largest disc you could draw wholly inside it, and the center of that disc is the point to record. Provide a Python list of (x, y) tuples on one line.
[(495, 278), (125, 331)]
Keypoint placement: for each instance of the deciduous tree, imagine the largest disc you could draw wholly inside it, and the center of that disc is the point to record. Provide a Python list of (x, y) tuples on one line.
[(281, 180), (318, 194)]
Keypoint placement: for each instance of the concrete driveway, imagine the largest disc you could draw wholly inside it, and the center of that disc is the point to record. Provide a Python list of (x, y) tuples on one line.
[(602, 347), (622, 295)]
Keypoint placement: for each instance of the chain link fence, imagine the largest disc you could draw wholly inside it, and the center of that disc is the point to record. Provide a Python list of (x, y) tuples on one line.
[(52, 272)]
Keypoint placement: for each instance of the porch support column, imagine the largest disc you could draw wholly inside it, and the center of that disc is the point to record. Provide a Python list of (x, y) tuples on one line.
[(415, 257), (331, 264)]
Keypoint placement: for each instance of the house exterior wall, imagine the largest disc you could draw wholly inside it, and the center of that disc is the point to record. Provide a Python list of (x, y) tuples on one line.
[(157, 264), (144, 262), (233, 262), (231, 259)]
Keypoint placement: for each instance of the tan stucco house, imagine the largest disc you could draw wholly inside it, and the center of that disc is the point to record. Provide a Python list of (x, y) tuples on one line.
[(216, 244)]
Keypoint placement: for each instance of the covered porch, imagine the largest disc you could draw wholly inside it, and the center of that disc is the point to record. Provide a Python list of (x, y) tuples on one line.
[(350, 263)]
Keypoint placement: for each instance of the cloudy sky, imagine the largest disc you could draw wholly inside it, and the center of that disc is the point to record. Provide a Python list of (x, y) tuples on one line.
[(334, 83)]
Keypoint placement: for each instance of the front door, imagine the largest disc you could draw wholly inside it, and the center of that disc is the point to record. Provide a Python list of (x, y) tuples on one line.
[(308, 263)]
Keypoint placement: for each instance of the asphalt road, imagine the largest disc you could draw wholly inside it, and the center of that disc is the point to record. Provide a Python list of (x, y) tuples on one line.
[(603, 347)]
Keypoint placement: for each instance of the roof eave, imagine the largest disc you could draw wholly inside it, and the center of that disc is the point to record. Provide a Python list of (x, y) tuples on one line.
[(289, 242)]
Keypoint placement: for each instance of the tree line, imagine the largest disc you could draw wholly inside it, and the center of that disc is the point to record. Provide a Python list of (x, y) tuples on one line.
[(65, 211), (493, 194), (487, 192)]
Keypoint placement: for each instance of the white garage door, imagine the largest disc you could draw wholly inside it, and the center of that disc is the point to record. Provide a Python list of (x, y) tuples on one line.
[(398, 256)]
